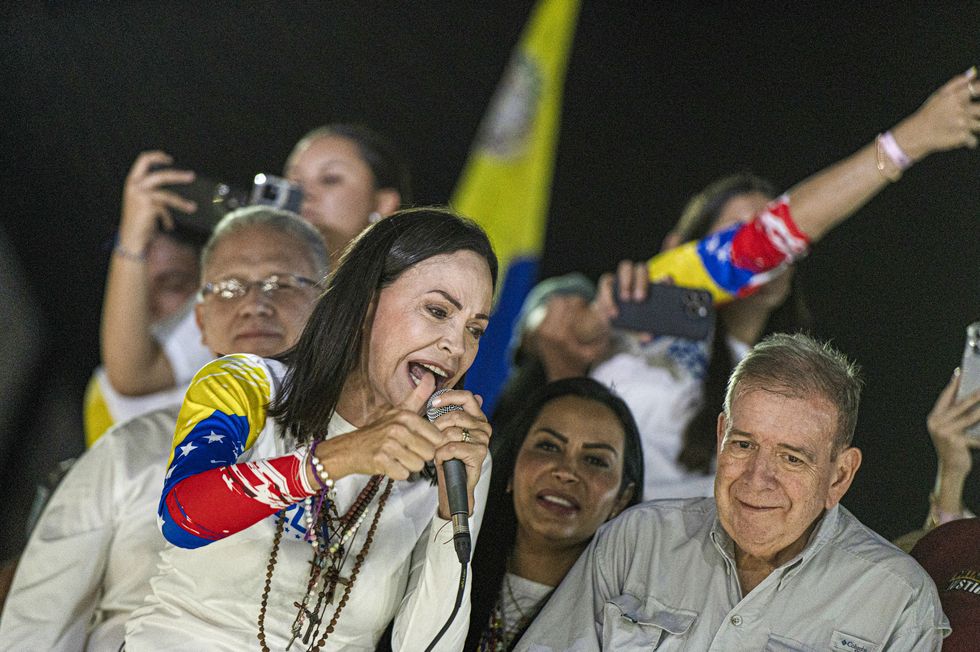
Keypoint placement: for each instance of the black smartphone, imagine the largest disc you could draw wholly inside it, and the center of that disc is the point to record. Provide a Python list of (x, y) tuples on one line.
[(214, 200), (668, 310)]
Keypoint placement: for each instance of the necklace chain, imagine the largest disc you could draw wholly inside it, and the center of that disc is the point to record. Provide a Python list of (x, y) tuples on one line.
[(498, 637), (329, 555)]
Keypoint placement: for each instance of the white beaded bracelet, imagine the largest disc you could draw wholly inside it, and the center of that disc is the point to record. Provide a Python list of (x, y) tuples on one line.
[(326, 482)]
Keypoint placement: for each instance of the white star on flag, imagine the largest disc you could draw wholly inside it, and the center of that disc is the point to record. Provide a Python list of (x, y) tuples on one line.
[(187, 448), (214, 437)]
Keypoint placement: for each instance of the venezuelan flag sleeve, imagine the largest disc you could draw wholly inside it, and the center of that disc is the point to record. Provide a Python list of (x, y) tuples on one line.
[(734, 262), (506, 183), (207, 494)]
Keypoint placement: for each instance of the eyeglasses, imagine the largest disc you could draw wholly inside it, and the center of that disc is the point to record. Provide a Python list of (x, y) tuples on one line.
[(271, 286)]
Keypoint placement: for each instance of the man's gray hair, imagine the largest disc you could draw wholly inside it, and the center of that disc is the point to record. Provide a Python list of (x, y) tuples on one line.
[(800, 366), (278, 220)]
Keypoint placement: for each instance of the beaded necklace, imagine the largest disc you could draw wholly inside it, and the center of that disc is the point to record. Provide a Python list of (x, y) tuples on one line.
[(328, 534), (498, 637)]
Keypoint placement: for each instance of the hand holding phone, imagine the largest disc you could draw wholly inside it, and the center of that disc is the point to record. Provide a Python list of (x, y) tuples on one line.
[(213, 200), (668, 310)]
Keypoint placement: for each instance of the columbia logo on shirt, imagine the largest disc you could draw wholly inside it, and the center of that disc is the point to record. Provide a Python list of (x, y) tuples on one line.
[(847, 643)]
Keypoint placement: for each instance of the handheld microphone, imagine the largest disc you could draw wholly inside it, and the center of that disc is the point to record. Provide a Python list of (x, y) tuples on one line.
[(454, 472)]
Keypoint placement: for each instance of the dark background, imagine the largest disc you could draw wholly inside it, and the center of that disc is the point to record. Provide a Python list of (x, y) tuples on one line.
[(660, 99)]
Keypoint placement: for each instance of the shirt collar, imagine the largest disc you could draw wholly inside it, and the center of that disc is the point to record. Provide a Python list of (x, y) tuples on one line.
[(338, 425), (824, 532)]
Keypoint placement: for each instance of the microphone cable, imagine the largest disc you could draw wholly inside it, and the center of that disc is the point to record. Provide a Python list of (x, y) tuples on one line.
[(456, 493), (452, 616)]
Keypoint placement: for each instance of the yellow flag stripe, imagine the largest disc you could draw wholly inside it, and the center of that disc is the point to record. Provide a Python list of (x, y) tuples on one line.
[(506, 183)]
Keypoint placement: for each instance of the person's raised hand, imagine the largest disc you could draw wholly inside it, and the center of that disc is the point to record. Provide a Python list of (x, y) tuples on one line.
[(630, 283), (949, 118), (947, 424), (396, 442), (145, 201)]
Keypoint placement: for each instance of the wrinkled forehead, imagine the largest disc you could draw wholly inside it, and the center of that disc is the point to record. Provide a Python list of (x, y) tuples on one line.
[(784, 411), (262, 249)]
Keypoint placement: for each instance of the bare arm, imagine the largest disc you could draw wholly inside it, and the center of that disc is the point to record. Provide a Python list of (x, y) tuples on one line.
[(947, 120), (135, 362), (948, 423)]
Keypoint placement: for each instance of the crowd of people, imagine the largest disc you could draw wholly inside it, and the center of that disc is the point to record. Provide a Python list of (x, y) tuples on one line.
[(278, 397)]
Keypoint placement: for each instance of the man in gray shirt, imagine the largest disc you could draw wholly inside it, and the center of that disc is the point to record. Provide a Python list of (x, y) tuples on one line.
[(772, 562)]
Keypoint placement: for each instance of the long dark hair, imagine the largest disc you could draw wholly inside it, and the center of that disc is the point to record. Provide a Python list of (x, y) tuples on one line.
[(499, 527), (330, 346), (696, 221)]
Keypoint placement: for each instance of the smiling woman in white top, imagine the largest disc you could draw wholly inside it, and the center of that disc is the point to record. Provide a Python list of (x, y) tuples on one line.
[(568, 463)]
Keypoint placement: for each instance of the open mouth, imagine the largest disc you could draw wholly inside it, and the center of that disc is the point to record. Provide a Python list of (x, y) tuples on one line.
[(558, 503), (417, 371)]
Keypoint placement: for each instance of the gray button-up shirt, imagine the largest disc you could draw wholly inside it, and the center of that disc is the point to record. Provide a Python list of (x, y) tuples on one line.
[(662, 577)]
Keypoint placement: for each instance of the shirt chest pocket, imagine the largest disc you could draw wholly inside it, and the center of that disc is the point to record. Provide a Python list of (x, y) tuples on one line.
[(633, 624), (839, 643), (778, 643)]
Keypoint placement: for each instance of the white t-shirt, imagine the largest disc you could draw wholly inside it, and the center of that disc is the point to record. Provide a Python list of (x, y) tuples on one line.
[(662, 382)]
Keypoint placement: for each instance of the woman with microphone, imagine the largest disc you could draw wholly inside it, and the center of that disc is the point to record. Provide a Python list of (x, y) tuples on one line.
[(294, 496)]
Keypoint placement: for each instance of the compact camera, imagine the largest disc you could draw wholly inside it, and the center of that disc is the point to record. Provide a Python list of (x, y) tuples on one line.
[(269, 190)]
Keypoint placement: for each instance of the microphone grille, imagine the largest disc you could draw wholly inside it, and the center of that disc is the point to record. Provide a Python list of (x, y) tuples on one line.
[(432, 413)]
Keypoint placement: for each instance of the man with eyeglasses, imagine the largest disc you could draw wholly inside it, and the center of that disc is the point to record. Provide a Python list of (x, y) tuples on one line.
[(91, 556)]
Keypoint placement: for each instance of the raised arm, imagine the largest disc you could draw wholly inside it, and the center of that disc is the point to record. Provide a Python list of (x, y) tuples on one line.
[(947, 120), (134, 361), (948, 423), (736, 261)]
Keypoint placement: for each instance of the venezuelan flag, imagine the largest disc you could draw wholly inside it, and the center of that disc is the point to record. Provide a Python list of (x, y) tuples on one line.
[(506, 182)]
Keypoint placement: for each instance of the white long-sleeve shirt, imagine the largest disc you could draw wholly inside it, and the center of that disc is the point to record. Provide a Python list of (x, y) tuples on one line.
[(209, 597), (90, 558)]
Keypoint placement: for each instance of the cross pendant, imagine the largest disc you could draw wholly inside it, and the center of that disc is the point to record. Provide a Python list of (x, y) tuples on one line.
[(333, 579), (314, 621), (298, 623)]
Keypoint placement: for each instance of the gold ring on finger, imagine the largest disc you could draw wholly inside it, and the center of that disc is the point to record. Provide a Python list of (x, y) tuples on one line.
[(466, 436)]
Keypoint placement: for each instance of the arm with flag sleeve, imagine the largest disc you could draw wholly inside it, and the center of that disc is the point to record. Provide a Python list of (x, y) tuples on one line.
[(207, 494), (733, 263)]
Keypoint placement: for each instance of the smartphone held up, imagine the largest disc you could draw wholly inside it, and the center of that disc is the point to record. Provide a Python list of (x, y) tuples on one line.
[(668, 310), (970, 370), (215, 199)]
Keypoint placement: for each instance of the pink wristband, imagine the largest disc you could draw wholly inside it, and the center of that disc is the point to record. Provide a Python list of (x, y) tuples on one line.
[(895, 154)]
